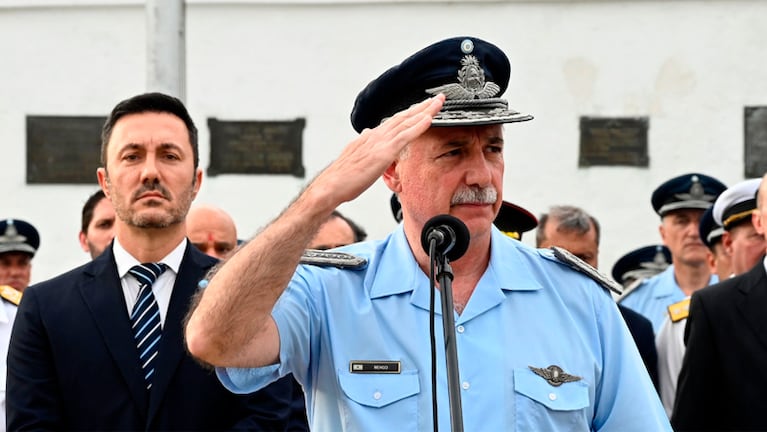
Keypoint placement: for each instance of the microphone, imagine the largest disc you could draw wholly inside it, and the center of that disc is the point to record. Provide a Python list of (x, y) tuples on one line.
[(449, 233)]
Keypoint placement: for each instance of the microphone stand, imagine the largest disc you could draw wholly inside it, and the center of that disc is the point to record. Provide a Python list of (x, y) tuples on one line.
[(445, 279)]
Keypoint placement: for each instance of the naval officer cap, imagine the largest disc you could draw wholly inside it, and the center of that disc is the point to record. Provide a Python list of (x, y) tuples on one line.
[(710, 232), (17, 235), (641, 263), (688, 191), (514, 220), (735, 205), (470, 72)]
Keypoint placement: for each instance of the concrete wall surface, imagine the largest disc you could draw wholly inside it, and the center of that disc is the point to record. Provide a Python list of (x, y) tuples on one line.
[(691, 66)]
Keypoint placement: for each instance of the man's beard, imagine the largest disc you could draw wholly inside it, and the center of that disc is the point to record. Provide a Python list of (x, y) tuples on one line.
[(175, 215)]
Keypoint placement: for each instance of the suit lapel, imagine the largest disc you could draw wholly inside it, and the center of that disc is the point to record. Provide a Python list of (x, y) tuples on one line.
[(104, 298), (753, 305), (172, 345)]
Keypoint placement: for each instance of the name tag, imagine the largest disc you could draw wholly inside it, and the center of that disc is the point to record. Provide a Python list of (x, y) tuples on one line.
[(374, 367)]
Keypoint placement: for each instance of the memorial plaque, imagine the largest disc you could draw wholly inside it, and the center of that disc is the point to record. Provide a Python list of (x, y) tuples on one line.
[(256, 147), (612, 141), (63, 150), (755, 152)]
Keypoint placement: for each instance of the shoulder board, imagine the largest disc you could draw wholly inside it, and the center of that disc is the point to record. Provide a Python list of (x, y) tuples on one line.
[(11, 294), (581, 266), (323, 258), (632, 287), (679, 310)]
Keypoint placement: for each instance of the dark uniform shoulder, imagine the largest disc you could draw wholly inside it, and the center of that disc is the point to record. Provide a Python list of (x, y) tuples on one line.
[(323, 258), (10, 294), (563, 256)]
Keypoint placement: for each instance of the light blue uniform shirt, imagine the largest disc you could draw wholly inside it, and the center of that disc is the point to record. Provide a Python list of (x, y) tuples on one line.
[(654, 295), (527, 310)]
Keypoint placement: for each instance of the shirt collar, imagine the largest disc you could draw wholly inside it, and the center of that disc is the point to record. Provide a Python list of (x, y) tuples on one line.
[(125, 261), (401, 272)]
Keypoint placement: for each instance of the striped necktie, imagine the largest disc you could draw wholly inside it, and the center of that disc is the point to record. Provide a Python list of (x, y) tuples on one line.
[(145, 318)]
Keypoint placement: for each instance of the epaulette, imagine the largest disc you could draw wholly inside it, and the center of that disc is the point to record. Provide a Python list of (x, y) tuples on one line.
[(631, 288), (324, 258), (581, 266), (679, 310), (11, 294)]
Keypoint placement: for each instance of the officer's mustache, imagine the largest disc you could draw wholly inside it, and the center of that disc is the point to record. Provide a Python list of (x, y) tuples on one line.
[(151, 187), (475, 195)]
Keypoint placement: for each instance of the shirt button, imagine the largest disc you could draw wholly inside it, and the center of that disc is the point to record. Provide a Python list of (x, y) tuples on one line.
[(552, 396), (377, 395), (465, 385), (460, 329)]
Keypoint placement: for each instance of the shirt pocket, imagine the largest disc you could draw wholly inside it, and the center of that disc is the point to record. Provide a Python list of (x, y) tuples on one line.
[(372, 398), (542, 406)]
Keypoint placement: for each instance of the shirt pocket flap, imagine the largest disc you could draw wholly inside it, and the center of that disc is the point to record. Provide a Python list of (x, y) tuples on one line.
[(569, 396), (378, 390)]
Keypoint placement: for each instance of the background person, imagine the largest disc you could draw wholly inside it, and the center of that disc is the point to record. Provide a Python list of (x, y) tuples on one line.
[(101, 347), (18, 244), (211, 230), (680, 203), (721, 386), (97, 226), (337, 231)]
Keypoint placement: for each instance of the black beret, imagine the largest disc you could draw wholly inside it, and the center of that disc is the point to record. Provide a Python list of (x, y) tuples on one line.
[(642, 263), (18, 236), (688, 191), (710, 232), (514, 220), (470, 72)]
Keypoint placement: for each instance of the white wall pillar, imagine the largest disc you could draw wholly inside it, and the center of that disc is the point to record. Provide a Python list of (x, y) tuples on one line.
[(166, 42)]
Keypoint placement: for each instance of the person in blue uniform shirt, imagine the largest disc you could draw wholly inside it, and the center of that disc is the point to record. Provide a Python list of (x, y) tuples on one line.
[(640, 263), (680, 203), (540, 346), (18, 244)]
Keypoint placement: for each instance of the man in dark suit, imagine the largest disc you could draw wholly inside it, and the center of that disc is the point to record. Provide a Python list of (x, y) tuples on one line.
[(101, 347), (722, 382)]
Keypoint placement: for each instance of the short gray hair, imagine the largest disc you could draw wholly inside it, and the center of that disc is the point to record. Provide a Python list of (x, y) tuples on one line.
[(569, 219)]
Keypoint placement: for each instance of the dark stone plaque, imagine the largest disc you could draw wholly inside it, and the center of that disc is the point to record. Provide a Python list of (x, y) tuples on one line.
[(614, 141), (256, 147), (63, 150), (755, 152)]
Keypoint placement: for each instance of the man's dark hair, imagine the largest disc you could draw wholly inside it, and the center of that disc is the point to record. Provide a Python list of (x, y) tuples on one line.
[(569, 219), (359, 233), (149, 102), (88, 208)]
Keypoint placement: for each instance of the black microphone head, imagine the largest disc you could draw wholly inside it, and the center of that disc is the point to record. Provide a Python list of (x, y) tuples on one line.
[(451, 227)]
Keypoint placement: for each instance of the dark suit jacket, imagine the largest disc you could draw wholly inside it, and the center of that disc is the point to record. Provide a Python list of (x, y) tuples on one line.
[(723, 382), (73, 362), (644, 338)]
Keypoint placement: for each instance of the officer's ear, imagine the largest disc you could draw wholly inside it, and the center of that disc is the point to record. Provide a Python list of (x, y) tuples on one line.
[(392, 179)]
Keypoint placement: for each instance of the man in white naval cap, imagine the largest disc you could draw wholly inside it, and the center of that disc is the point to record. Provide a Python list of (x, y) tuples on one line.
[(732, 210)]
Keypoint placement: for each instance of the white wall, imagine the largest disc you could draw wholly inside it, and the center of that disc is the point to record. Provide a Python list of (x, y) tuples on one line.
[(691, 66)]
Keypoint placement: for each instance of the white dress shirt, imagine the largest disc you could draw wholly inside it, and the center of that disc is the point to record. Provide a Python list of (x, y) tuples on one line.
[(162, 288)]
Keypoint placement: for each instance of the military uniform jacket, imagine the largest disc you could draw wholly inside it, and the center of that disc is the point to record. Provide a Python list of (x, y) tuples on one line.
[(540, 347), (722, 385), (73, 362)]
